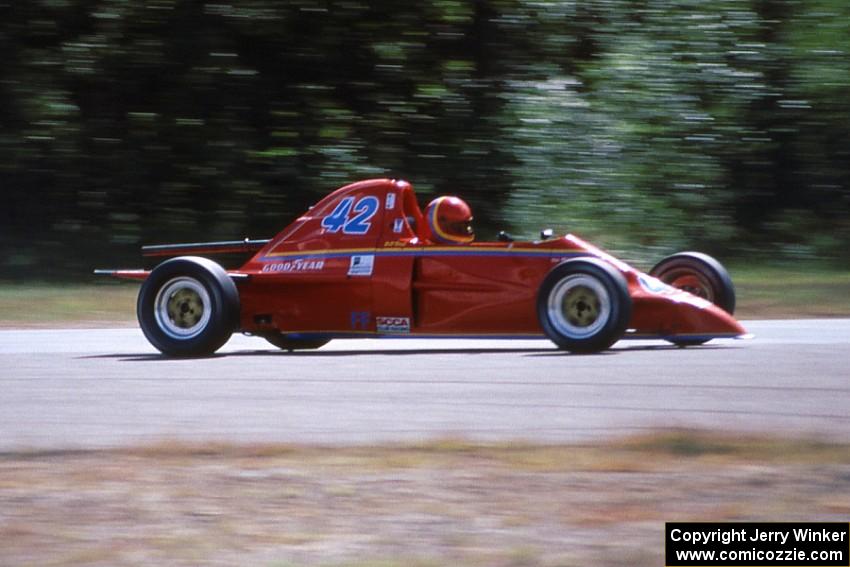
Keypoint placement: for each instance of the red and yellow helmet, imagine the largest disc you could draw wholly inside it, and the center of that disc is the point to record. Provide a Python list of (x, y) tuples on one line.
[(450, 220)]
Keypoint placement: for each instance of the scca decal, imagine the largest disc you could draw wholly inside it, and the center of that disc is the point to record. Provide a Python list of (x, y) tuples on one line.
[(392, 324), (364, 209)]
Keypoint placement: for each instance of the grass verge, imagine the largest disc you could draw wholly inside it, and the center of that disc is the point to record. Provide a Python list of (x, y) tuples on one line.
[(773, 292), (69, 305)]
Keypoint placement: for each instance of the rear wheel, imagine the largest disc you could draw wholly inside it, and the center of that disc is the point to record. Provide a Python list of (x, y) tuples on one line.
[(698, 274), (284, 342), (584, 305), (188, 306)]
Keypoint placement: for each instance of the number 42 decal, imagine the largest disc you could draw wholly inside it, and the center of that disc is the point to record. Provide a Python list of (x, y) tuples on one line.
[(364, 209)]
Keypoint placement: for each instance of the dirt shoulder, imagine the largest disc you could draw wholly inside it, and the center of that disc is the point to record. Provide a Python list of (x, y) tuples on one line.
[(443, 503)]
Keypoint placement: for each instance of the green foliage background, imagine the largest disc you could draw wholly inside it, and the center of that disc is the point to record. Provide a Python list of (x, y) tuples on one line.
[(645, 125)]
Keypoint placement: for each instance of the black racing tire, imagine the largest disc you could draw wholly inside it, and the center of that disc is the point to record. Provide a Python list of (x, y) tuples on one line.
[(584, 305), (700, 275), (188, 306), (284, 342)]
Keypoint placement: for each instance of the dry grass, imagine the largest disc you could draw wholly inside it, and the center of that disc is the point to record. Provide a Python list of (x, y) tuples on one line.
[(791, 292), (76, 305), (642, 452), (448, 502)]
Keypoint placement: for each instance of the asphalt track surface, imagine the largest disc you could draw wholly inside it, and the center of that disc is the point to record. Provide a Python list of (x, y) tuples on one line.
[(68, 389)]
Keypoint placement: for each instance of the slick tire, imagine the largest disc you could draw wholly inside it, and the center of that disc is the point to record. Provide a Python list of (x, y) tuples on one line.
[(188, 306), (700, 275), (584, 305)]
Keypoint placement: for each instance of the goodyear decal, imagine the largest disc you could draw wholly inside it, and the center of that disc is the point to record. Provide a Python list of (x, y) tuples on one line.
[(295, 265)]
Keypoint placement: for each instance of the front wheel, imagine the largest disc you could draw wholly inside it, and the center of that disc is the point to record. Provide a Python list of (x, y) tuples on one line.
[(584, 305), (188, 306), (700, 275)]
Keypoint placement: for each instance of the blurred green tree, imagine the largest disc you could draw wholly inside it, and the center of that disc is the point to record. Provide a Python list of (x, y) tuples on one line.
[(649, 125)]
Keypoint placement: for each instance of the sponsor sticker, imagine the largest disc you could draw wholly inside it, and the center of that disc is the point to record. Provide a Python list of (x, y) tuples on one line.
[(656, 286), (392, 324), (361, 265), (398, 225), (293, 266), (390, 204)]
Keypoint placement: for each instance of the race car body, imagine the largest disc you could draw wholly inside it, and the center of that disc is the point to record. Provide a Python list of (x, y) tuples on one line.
[(364, 262)]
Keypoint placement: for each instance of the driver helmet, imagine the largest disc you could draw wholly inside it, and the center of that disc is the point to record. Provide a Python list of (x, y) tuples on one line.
[(450, 220)]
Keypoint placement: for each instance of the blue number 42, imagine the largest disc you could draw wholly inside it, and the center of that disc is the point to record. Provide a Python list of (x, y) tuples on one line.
[(360, 223), (337, 219)]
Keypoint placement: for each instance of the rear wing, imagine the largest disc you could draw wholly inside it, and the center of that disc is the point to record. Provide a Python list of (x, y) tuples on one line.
[(137, 275), (141, 275), (194, 248)]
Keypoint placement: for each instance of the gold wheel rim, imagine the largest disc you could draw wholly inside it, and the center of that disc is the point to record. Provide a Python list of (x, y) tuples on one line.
[(182, 308), (185, 308), (581, 306)]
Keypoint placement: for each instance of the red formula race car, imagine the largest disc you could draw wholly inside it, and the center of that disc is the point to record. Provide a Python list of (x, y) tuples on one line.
[(366, 262)]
